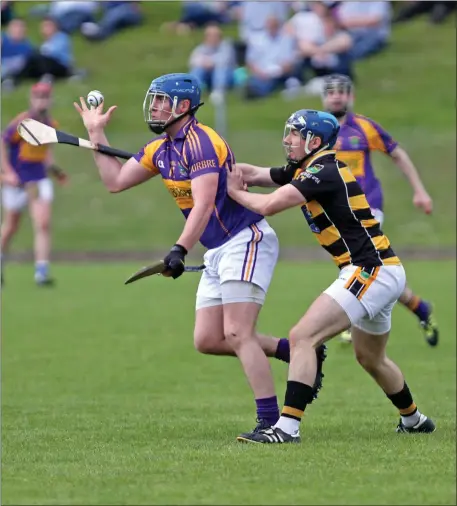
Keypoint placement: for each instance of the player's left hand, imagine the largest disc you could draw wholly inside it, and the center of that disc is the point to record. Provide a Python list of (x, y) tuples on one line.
[(94, 119), (62, 178), (423, 201), (235, 180), (175, 261)]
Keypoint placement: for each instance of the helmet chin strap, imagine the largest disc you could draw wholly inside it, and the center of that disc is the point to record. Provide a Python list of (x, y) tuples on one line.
[(310, 152), (160, 129)]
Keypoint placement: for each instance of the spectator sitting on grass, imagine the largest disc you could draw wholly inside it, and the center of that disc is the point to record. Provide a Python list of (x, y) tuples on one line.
[(15, 48), (213, 61), (438, 11), (322, 45), (368, 23), (7, 12), (54, 57), (198, 13), (271, 59), (117, 15)]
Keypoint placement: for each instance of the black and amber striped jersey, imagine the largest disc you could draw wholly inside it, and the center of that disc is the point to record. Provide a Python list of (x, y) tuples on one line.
[(338, 214)]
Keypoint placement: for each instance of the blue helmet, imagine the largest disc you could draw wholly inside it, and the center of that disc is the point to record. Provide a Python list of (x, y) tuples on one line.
[(311, 124), (166, 92)]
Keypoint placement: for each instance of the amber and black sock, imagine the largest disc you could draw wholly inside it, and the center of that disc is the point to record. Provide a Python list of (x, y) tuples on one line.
[(298, 396), (403, 401)]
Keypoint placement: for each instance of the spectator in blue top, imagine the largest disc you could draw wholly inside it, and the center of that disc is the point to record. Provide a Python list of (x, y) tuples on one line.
[(15, 48), (117, 15), (55, 56)]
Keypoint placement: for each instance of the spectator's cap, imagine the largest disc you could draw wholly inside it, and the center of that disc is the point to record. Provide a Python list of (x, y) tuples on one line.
[(41, 88)]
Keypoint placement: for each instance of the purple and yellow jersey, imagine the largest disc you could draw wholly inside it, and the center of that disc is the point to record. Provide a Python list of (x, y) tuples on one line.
[(195, 151), (358, 137), (29, 162)]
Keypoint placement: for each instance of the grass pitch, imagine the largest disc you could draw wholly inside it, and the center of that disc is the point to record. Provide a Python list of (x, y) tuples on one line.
[(105, 401)]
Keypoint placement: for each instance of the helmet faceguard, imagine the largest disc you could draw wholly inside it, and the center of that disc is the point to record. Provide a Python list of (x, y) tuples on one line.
[(343, 84), (302, 128), (160, 102), (163, 97)]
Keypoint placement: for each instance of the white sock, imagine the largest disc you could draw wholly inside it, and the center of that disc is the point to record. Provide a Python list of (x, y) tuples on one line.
[(411, 420), (288, 425)]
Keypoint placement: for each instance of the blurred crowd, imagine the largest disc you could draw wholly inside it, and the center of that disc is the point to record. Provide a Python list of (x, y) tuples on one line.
[(94, 20), (291, 45), (288, 45)]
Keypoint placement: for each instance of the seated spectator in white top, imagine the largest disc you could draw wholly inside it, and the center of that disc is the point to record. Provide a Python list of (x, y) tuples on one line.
[(322, 45), (252, 17), (213, 61), (271, 59), (69, 14), (368, 23)]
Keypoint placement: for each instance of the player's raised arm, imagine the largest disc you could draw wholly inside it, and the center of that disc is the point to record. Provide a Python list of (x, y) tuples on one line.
[(116, 176)]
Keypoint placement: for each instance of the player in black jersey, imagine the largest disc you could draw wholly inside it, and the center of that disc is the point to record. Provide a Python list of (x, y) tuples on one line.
[(371, 276)]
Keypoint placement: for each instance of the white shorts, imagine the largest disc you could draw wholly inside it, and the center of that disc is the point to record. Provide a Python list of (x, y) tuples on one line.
[(369, 295), (378, 215), (15, 198), (249, 259)]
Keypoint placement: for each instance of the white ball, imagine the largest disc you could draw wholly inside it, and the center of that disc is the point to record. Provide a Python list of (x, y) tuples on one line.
[(94, 98)]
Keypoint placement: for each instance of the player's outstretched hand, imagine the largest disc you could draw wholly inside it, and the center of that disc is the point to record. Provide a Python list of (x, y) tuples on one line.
[(235, 180), (94, 119), (423, 201)]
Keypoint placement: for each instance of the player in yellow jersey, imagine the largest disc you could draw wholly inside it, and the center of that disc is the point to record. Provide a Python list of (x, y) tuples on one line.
[(370, 281), (358, 138)]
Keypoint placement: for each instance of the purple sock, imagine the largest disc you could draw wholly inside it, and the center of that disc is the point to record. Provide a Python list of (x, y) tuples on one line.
[(283, 350), (268, 409), (422, 311)]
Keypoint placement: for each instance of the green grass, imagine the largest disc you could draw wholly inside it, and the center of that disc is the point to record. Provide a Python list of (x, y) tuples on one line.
[(409, 89), (105, 401)]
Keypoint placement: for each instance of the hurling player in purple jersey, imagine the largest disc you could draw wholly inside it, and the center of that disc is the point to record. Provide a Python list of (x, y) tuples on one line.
[(359, 136), (242, 249), (25, 177)]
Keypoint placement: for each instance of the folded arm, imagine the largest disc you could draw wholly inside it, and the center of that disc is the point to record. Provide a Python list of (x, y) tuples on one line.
[(204, 189)]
